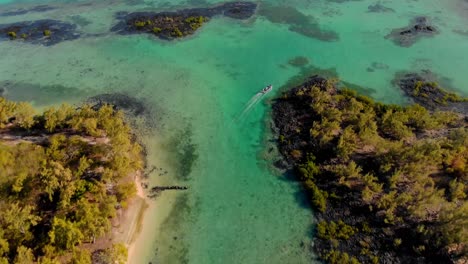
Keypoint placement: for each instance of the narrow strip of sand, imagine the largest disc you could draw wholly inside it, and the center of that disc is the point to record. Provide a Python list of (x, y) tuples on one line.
[(134, 226), (145, 216), (127, 224)]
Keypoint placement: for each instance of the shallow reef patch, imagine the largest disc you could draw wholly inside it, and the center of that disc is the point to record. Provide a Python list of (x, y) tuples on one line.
[(173, 235), (377, 66), (80, 20), (297, 21), (379, 8), (461, 32), (298, 61), (186, 153), (23, 11)]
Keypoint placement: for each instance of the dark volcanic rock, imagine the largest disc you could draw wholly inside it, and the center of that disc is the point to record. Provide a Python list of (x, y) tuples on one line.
[(290, 115), (181, 23), (157, 190), (426, 92), (46, 32), (407, 36)]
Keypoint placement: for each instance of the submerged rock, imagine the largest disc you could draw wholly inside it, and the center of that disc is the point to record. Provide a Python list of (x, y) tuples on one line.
[(157, 190), (461, 32), (22, 11), (181, 23), (298, 61), (377, 66), (237, 10), (407, 36), (130, 105), (296, 21), (46, 32)]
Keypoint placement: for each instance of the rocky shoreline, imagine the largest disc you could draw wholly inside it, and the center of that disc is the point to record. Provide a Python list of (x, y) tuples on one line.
[(181, 23), (351, 161), (424, 90)]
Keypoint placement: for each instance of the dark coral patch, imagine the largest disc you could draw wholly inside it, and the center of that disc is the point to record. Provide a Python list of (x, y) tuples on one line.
[(298, 61), (297, 21)]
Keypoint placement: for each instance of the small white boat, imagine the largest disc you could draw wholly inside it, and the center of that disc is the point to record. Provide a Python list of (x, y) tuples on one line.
[(267, 89)]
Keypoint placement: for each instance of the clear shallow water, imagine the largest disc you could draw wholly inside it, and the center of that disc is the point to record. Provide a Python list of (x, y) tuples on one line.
[(237, 210)]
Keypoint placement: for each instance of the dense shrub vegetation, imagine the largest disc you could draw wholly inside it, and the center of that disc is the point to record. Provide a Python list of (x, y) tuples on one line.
[(167, 25), (63, 174), (388, 182)]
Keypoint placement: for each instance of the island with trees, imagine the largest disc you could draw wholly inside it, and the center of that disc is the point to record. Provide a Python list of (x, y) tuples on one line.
[(181, 23), (388, 183), (64, 173)]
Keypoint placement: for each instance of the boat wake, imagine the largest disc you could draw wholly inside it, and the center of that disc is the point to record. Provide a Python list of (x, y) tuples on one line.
[(249, 106), (252, 103)]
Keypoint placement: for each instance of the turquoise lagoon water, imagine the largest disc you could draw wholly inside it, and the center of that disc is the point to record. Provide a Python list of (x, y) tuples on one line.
[(238, 208)]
